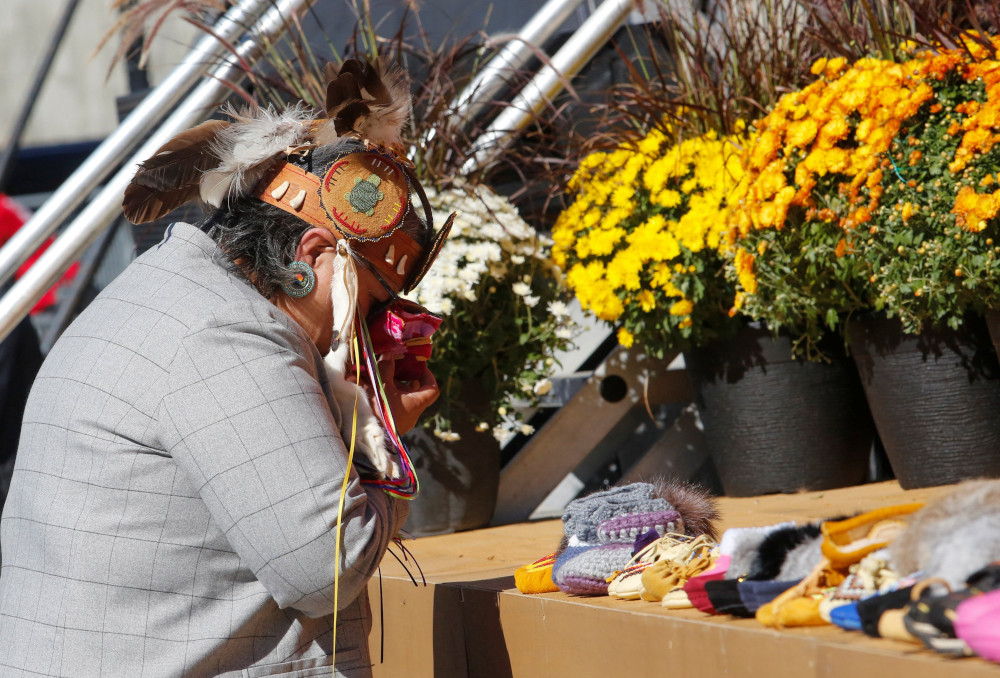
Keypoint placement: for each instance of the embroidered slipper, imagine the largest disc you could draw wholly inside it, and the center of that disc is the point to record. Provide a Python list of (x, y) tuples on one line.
[(870, 610), (695, 586), (584, 570), (536, 577), (725, 597), (891, 626), (865, 579), (846, 616), (799, 605), (667, 577), (845, 542), (927, 617), (675, 548), (757, 593)]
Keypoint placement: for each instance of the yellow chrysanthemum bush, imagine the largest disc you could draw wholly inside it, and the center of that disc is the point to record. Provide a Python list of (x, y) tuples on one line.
[(642, 241), (874, 188)]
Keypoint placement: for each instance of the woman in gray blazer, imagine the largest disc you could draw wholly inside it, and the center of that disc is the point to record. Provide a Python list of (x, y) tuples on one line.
[(175, 499)]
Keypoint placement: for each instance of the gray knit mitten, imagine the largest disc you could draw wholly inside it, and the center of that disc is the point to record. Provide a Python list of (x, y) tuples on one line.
[(583, 515)]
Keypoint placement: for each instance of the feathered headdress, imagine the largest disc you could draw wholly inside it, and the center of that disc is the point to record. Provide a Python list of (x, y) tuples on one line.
[(362, 195)]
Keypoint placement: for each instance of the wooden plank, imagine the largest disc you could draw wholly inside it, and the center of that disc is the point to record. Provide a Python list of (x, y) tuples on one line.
[(572, 432)]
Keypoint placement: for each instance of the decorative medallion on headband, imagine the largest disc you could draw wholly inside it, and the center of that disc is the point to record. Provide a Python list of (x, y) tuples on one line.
[(365, 195)]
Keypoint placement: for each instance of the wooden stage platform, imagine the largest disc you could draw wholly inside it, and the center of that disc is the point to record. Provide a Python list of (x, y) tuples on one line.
[(470, 620)]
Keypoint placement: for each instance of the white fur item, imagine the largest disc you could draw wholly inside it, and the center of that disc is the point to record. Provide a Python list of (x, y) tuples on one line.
[(953, 536), (371, 440), (246, 147), (801, 560), (741, 545)]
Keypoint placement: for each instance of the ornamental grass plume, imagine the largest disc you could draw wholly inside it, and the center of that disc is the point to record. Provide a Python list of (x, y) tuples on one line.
[(642, 240), (875, 188)]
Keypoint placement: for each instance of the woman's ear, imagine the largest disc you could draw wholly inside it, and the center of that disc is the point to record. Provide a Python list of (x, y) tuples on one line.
[(312, 243)]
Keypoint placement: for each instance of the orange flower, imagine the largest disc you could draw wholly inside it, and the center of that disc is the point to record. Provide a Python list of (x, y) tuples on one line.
[(973, 210), (745, 270)]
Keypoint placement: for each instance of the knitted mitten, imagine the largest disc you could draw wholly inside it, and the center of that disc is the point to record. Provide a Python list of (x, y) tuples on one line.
[(584, 570), (584, 515)]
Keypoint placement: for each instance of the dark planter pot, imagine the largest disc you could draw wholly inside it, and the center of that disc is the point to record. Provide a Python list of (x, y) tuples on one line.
[(935, 398), (775, 424), (458, 480), (992, 318)]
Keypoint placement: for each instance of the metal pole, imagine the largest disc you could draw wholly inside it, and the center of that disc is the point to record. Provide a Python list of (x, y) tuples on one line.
[(512, 56), (107, 204), (568, 61), (116, 147), (7, 160)]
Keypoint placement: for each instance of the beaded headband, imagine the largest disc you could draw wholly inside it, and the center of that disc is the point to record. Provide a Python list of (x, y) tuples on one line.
[(362, 196)]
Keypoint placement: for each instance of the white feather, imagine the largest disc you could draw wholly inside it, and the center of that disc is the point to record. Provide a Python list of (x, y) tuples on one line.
[(246, 147), (385, 124), (343, 296)]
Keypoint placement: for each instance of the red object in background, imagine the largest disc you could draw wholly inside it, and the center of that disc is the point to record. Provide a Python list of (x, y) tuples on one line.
[(404, 331), (12, 217)]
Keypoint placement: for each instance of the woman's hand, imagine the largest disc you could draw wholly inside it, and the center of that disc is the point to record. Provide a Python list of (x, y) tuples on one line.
[(407, 399)]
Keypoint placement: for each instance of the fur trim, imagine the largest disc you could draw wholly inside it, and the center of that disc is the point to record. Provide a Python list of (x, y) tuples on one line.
[(697, 507), (778, 546), (741, 545), (952, 537), (801, 560), (247, 149)]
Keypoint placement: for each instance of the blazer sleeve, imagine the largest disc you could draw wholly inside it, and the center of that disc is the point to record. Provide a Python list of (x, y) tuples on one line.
[(251, 425)]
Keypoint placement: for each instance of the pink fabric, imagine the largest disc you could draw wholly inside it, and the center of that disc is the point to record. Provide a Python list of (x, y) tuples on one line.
[(400, 331), (977, 622), (695, 586)]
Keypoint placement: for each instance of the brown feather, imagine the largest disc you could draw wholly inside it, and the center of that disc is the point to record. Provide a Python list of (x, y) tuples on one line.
[(369, 77), (347, 118), (340, 91), (170, 178), (367, 100)]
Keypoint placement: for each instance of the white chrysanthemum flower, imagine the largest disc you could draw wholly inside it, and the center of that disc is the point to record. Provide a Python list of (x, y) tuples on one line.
[(542, 387), (521, 289), (558, 308), (447, 436), (492, 246), (527, 429)]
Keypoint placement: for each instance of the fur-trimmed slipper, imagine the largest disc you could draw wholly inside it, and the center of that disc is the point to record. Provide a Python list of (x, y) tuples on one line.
[(930, 618)]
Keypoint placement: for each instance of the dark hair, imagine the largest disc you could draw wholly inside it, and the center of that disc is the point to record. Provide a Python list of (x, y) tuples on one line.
[(260, 240)]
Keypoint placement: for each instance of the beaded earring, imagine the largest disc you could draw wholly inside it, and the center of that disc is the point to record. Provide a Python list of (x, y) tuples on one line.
[(305, 280)]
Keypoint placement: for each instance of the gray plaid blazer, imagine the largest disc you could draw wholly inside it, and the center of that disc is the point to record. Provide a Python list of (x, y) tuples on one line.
[(175, 494)]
